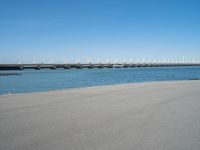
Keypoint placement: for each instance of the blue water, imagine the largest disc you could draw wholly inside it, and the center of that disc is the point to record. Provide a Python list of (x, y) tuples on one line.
[(45, 79)]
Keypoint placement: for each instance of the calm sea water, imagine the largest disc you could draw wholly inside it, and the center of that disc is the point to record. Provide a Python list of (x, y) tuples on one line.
[(45, 79)]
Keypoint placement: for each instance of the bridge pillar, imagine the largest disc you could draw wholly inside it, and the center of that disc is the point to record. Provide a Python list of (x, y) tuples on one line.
[(78, 66), (66, 67), (90, 66), (110, 66), (37, 67), (53, 67)]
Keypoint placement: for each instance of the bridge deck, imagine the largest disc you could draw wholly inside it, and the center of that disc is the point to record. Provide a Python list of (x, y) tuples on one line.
[(79, 66)]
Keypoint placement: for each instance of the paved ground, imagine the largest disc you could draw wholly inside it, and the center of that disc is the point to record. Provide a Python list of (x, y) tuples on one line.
[(142, 116)]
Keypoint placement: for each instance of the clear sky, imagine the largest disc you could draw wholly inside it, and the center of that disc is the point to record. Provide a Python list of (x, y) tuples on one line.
[(56, 30)]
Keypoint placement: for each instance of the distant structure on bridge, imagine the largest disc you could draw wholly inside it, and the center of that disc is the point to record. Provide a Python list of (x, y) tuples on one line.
[(106, 64)]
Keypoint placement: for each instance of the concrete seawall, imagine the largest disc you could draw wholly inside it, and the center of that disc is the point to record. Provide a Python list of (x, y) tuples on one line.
[(139, 116)]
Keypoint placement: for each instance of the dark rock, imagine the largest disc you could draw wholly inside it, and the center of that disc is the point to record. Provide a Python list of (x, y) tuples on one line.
[(9, 74)]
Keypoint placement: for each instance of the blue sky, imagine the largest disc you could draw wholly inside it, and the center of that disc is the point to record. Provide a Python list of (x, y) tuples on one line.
[(43, 30)]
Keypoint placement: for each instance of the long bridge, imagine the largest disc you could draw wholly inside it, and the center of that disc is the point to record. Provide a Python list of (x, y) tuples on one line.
[(39, 66)]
